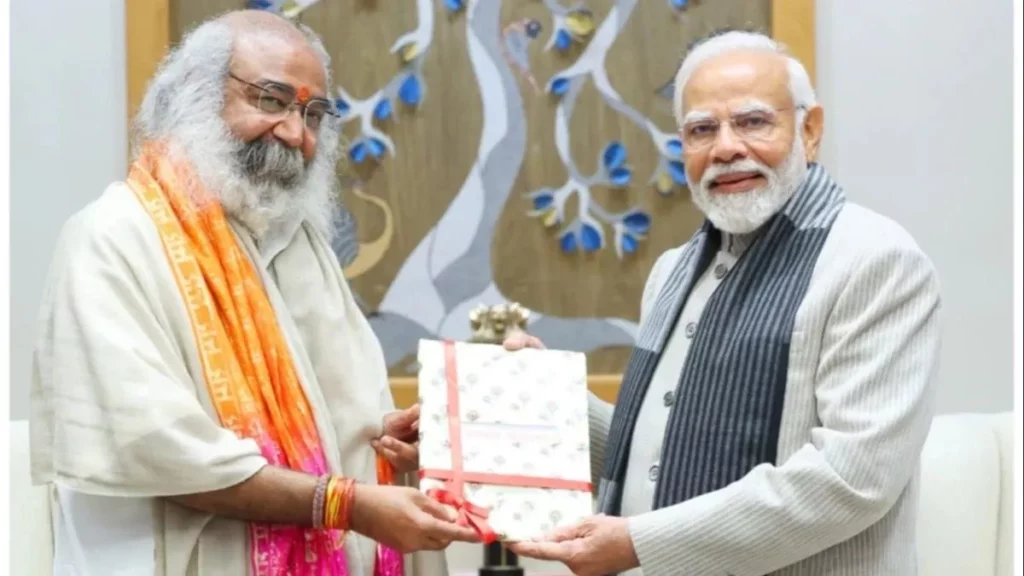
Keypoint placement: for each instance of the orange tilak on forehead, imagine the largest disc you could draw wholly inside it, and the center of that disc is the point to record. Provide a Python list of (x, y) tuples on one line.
[(302, 94)]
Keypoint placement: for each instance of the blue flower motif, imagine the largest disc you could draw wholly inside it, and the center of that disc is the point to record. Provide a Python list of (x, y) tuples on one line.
[(559, 86), (678, 172), (674, 147), (568, 242), (637, 222), (628, 243), (614, 156), (543, 200), (382, 111), (410, 91), (341, 106), (357, 153), (621, 176), (562, 40), (376, 147), (590, 238), (454, 5)]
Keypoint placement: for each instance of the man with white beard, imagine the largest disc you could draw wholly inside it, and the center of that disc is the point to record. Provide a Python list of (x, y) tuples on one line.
[(772, 415), (207, 398)]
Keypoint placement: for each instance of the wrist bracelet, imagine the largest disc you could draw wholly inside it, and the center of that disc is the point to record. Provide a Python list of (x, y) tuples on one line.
[(318, 501), (338, 503)]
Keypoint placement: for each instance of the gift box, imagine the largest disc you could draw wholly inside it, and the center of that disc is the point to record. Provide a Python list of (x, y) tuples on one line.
[(504, 437)]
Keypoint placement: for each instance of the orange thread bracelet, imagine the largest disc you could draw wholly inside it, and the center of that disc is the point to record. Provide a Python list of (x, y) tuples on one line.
[(338, 503)]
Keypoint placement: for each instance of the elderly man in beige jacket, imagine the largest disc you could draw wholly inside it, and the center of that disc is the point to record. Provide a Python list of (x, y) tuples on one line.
[(773, 412)]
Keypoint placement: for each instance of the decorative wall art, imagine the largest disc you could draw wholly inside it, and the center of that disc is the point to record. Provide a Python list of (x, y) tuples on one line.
[(503, 150)]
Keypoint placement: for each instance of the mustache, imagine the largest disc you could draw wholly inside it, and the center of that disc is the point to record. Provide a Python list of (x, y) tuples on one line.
[(745, 165), (270, 161)]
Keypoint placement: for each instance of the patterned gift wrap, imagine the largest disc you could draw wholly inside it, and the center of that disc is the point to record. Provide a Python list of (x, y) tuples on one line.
[(504, 437)]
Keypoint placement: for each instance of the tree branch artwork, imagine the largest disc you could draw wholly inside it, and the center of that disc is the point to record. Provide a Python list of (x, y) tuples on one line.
[(406, 86), (450, 271), (587, 232)]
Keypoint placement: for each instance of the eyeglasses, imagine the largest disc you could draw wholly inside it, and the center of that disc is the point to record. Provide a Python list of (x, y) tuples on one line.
[(749, 126), (276, 99)]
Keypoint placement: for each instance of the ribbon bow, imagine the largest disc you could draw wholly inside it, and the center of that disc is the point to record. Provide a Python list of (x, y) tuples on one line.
[(470, 514)]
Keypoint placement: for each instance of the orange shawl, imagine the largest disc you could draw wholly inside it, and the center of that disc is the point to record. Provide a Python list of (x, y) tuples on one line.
[(248, 368)]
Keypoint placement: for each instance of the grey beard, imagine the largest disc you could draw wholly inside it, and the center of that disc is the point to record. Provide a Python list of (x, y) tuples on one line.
[(270, 162), (262, 182)]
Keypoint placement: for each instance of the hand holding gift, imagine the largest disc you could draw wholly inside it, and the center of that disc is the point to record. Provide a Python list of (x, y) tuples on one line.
[(398, 442), (504, 437)]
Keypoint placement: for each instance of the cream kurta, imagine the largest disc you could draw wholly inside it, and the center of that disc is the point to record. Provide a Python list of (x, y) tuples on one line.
[(120, 413)]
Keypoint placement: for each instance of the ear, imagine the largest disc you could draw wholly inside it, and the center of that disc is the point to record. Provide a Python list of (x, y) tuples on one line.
[(814, 125)]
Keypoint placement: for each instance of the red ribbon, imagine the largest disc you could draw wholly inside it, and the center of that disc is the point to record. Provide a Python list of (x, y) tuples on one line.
[(451, 494), (470, 514)]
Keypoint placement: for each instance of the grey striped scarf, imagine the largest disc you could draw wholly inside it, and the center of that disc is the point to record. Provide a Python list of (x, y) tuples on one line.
[(729, 399)]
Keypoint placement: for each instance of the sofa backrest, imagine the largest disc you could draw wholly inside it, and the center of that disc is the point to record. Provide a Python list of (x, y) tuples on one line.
[(965, 513)]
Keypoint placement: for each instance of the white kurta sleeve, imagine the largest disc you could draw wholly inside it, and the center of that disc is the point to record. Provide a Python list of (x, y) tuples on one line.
[(874, 394), (114, 410)]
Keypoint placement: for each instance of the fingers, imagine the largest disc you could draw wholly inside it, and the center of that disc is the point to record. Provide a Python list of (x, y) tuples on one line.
[(518, 340), (439, 523), (400, 452), (555, 551), (437, 510), (562, 534), (402, 424), (449, 531), (403, 460), (409, 416)]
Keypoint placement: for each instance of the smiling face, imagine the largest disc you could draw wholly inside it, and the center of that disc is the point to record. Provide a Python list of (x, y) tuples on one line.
[(278, 67), (222, 101), (746, 145)]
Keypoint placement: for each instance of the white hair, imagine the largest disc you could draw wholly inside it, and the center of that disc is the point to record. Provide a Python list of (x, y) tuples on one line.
[(800, 87), (182, 106)]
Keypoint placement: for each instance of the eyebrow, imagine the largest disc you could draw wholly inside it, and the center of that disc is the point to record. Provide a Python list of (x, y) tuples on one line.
[(697, 116), (747, 108), (270, 83)]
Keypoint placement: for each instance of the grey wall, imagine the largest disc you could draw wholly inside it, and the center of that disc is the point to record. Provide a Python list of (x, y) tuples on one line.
[(68, 141), (918, 98)]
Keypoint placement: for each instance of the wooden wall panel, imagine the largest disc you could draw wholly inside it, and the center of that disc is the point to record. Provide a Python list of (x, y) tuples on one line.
[(792, 23), (147, 27), (405, 195), (529, 268)]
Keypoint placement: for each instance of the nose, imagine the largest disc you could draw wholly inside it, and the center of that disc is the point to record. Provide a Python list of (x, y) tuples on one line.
[(728, 147), (290, 129)]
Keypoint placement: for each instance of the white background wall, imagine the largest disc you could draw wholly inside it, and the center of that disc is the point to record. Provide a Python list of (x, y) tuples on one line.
[(68, 141), (918, 101)]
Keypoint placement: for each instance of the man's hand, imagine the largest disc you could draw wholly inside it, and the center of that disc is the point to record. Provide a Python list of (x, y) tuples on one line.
[(404, 457), (597, 545), (398, 442), (517, 340), (402, 425), (405, 519)]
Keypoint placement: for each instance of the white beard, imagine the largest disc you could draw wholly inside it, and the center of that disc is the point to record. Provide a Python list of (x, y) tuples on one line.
[(211, 150), (745, 212)]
